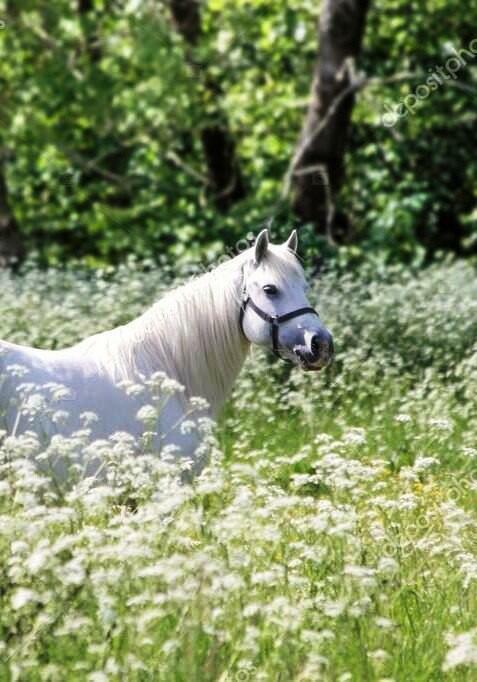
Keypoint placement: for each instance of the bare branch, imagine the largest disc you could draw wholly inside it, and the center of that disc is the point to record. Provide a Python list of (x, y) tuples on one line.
[(176, 159)]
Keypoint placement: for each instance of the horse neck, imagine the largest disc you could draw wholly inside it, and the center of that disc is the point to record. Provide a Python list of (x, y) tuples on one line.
[(193, 335)]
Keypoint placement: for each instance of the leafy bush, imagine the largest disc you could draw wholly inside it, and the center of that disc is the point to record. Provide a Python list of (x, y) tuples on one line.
[(101, 114)]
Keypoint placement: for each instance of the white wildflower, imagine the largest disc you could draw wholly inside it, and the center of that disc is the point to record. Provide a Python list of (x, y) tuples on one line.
[(60, 417), (147, 413), (88, 418), (423, 463), (463, 650), (23, 596), (383, 623), (441, 424), (355, 436)]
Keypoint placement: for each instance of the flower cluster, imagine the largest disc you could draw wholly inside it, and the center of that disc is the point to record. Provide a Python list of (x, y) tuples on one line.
[(332, 536)]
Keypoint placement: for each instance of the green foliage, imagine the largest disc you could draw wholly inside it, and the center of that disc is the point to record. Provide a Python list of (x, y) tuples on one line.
[(415, 183), (102, 114)]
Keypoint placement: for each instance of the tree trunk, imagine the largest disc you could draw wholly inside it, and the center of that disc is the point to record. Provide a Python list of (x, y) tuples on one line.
[(87, 21), (11, 249), (317, 168), (224, 176)]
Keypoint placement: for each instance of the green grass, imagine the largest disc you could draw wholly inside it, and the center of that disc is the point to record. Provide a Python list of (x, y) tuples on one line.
[(332, 537)]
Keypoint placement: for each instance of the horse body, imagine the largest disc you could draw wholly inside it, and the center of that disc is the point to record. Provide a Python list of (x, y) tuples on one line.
[(192, 335), (170, 338), (89, 389)]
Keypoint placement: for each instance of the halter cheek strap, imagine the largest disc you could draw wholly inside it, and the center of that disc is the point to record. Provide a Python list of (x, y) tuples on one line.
[(273, 320)]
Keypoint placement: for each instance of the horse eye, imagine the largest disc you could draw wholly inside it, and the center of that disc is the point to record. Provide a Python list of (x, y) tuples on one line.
[(270, 289)]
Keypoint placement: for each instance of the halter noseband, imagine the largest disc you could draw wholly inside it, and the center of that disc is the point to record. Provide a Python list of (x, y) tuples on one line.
[(274, 320)]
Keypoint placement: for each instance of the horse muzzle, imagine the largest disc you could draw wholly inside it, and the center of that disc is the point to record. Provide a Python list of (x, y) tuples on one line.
[(318, 355)]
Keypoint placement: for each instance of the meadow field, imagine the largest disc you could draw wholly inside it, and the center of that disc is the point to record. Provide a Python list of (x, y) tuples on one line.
[(332, 537)]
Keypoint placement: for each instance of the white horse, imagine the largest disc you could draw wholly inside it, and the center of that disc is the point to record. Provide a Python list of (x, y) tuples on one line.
[(198, 335)]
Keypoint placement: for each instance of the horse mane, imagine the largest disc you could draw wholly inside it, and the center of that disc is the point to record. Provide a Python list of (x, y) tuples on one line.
[(192, 333)]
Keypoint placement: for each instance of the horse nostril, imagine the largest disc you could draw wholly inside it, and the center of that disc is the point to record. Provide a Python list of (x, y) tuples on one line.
[(322, 344), (315, 345)]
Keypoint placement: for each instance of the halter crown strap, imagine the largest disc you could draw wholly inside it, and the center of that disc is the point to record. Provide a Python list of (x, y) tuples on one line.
[(273, 320)]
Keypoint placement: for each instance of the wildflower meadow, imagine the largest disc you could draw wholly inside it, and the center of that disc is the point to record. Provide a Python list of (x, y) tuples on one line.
[(332, 535)]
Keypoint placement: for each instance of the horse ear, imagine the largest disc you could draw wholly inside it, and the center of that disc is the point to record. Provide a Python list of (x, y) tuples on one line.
[(292, 241), (261, 246)]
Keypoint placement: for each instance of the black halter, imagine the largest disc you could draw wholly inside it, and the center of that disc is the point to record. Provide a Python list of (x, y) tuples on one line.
[(274, 320)]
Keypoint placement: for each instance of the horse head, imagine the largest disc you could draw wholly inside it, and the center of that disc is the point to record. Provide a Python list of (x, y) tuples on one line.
[(275, 311)]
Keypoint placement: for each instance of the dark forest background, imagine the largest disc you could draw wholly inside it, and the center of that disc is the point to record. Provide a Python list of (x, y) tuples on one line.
[(173, 129)]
